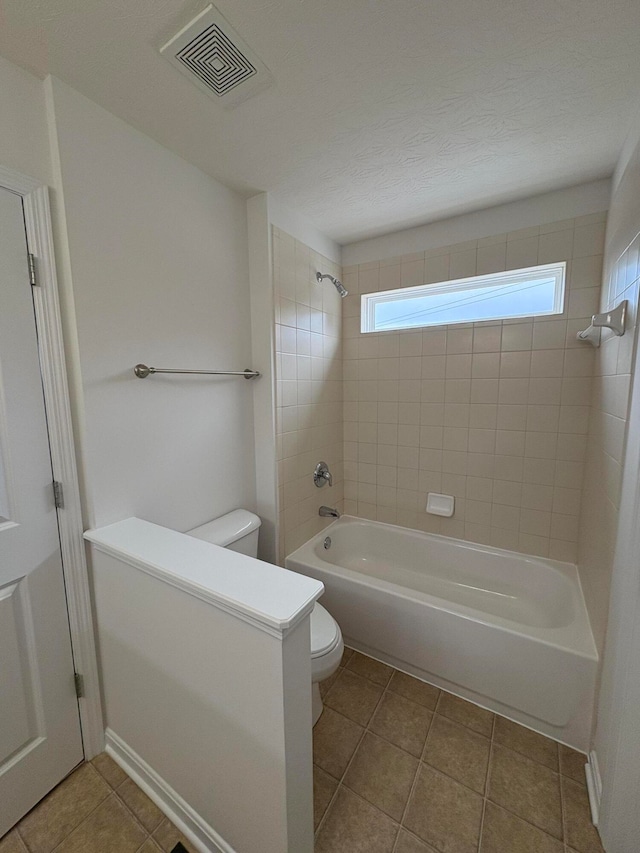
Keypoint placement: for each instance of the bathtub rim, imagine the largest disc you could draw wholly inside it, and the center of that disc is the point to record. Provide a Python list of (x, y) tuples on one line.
[(584, 644)]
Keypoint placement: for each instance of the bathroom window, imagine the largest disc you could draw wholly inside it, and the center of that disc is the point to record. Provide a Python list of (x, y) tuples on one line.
[(530, 292)]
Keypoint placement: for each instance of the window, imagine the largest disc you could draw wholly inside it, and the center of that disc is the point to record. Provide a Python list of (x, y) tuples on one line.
[(531, 292)]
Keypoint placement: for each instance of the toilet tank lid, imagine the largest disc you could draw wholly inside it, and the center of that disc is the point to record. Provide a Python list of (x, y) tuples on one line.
[(227, 528)]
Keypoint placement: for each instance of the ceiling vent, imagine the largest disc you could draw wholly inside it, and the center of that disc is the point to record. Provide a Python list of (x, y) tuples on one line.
[(212, 54)]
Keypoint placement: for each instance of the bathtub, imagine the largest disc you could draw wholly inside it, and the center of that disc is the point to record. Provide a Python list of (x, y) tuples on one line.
[(505, 630)]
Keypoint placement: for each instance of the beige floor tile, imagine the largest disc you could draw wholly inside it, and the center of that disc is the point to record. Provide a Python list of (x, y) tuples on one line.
[(459, 752), (63, 809), (414, 689), (335, 739), (503, 831), (369, 668), (108, 828), (466, 713), (581, 834), (12, 843), (324, 787), (527, 789), (444, 813), (537, 747), (325, 686), (382, 774), (139, 803), (109, 770), (402, 722), (354, 826), (572, 764), (167, 836), (408, 843), (354, 697)]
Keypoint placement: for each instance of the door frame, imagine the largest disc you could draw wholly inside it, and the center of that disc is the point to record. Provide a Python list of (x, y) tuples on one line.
[(37, 213)]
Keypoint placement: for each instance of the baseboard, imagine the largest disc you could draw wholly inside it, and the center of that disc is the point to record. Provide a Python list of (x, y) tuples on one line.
[(594, 786), (203, 837)]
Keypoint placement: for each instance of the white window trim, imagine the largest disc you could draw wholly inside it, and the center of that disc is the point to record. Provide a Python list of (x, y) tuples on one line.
[(369, 301)]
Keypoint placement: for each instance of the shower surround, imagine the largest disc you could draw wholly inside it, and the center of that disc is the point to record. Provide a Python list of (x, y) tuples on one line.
[(496, 414), (308, 323)]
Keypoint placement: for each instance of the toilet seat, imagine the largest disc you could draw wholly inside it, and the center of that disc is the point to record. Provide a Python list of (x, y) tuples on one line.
[(325, 634)]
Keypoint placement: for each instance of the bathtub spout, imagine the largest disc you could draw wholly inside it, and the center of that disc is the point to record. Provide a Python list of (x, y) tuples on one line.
[(328, 512)]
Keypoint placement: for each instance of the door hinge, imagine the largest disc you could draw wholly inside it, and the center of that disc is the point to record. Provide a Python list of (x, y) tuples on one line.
[(33, 276), (79, 682), (58, 495)]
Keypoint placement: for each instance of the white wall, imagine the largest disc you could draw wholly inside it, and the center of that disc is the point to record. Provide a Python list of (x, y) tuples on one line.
[(569, 203), (224, 716), (156, 272), (24, 144), (616, 741)]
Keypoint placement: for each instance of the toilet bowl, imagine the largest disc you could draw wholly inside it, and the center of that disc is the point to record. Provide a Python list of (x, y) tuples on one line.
[(238, 531)]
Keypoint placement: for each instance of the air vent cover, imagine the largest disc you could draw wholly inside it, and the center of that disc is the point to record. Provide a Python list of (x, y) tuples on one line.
[(212, 55)]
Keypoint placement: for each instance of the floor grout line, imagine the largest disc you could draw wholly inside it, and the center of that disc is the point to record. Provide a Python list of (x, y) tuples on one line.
[(366, 729), (487, 779), (79, 824), (485, 797)]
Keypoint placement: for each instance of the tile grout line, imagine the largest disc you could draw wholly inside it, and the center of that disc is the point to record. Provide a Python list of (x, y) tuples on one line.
[(83, 821), (492, 741), (365, 729), (562, 810), (486, 798), (385, 689), (148, 833), (103, 800), (128, 809), (487, 779), (414, 784)]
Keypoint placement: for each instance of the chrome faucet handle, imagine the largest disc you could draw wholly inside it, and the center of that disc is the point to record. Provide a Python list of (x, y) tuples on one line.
[(322, 475)]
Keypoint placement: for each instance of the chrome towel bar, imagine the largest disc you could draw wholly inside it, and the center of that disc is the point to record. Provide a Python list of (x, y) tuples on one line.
[(142, 371)]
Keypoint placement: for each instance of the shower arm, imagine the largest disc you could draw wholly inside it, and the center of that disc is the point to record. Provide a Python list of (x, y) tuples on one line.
[(334, 281)]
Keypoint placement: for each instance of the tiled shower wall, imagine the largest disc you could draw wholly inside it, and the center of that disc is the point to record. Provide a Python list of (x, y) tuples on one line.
[(308, 318), (605, 453), (495, 414)]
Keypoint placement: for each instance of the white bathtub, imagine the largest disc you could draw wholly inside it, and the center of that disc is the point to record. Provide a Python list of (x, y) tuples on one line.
[(503, 629)]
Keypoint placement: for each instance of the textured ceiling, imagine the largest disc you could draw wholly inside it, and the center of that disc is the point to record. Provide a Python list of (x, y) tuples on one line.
[(384, 113)]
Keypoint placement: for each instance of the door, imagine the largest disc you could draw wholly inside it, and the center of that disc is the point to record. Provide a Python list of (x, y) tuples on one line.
[(40, 739)]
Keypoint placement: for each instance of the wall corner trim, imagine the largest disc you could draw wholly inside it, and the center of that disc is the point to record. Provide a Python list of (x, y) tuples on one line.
[(594, 785)]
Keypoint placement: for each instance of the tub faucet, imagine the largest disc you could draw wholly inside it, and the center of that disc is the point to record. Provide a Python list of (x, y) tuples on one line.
[(328, 512)]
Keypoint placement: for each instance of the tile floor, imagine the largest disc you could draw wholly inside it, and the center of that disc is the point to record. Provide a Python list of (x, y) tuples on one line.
[(97, 809), (399, 767), (402, 767)]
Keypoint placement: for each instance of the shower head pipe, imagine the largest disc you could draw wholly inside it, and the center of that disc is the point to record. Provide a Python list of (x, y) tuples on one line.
[(339, 286)]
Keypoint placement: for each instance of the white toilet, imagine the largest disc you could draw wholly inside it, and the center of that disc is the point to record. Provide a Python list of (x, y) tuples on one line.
[(238, 531)]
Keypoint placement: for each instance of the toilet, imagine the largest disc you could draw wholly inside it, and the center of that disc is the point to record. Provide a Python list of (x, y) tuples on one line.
[(238, 531)]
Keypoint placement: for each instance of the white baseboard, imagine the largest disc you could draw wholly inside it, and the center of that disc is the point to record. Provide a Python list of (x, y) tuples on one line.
[(203, 837), (594, 786)]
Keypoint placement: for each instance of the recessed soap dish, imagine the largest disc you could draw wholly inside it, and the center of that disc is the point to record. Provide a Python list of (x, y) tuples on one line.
[(443, 505)]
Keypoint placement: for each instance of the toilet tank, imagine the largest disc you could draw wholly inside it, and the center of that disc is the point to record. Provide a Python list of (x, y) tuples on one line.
[(237, 530)]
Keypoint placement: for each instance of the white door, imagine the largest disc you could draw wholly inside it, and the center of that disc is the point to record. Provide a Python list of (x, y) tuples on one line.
[(40, 739)]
